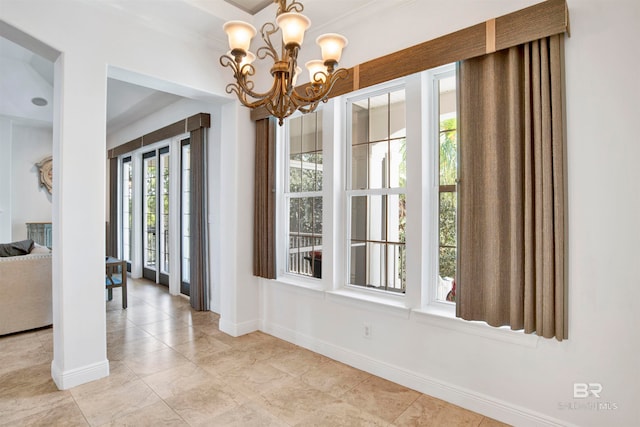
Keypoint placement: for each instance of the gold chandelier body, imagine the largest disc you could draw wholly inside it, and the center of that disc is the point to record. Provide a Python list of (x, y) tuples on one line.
[(282, 99)]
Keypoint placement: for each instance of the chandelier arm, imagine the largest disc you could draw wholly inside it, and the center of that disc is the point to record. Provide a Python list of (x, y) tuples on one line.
[(243, 84), (267, 30), (283, 8), (260, 98), (319, 92)]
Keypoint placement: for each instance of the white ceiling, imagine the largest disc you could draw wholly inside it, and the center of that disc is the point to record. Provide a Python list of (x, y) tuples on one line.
[(25, 75), (250, 6)]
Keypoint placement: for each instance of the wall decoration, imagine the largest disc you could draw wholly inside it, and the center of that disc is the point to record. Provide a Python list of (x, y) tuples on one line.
[(45, 168)]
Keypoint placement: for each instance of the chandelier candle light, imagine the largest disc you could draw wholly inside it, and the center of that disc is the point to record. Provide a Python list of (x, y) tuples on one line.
[(282, 99)]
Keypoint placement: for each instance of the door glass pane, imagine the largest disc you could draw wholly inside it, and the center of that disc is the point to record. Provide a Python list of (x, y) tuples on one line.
[(164, 212), (149, 212), (127, 209), (186, 212)]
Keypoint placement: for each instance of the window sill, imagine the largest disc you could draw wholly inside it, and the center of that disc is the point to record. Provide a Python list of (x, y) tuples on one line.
[(445, 319), (300, 282), (388, 304)]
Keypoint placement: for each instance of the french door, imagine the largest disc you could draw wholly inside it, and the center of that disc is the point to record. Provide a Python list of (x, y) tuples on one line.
[(155, 215)]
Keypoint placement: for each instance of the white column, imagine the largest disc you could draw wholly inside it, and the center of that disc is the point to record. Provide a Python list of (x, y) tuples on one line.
[(79, 149)]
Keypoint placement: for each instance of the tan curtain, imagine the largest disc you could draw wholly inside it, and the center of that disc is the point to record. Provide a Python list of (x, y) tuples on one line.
[(511, 216), (264, 242), (199, 241)]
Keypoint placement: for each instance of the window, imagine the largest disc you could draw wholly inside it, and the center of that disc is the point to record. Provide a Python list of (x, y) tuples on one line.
[(371, 165), (376, 195), (303, 195), (447, 142)]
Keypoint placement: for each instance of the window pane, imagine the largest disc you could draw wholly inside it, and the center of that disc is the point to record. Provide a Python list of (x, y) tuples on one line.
[(379, 117), (359, 162), (448, 153), (305, 236), (358, 264), (318, 115), (447, 263), (397, 218), (396, 267), (398, 163), (448, 172), (294, 215), (378, 163), (309, 172), (295, 136), (359, 218), (319, 168), (360, 122), (377, 218), (308, 133), (376, 264), (397, 114), (448, 136), (448, 219), (295, 173)]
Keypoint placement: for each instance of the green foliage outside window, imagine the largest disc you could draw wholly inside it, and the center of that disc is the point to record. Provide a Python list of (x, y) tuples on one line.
[(448, 200)]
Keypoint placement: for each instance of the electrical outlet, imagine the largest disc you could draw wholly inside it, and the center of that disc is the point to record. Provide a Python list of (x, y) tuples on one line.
[(366, 330)]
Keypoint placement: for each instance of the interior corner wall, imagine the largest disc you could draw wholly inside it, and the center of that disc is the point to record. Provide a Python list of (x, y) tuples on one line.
[(30, 202)]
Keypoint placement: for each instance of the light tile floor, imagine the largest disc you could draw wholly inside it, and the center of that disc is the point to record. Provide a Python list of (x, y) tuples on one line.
[(171, 365)]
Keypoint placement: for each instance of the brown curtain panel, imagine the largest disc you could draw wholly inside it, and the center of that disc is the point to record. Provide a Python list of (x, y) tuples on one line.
[(264, 242), (512, 189), (112, 224), (199, 271)]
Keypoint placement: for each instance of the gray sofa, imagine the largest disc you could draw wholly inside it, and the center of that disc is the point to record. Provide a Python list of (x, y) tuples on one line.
[(25, 292)]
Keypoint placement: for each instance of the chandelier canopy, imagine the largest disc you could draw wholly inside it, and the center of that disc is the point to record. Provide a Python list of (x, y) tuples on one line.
[(282, 99)]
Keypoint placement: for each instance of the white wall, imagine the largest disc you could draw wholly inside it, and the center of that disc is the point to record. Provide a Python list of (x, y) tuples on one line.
[(524, 382), (30, 201), (5, 179)]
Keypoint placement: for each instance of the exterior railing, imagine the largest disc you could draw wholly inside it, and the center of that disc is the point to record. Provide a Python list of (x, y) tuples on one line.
[(303, 249)]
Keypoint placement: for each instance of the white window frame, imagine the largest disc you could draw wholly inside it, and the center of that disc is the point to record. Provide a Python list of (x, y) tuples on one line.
[(282, 206), (431, 247), (395, 85)]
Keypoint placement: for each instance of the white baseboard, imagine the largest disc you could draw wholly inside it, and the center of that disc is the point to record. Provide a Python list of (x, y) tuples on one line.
[(238, 329), (468, 399), (73, 377)]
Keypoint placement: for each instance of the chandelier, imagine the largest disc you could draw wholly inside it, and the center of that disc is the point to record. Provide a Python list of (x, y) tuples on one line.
[(282, 99)]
